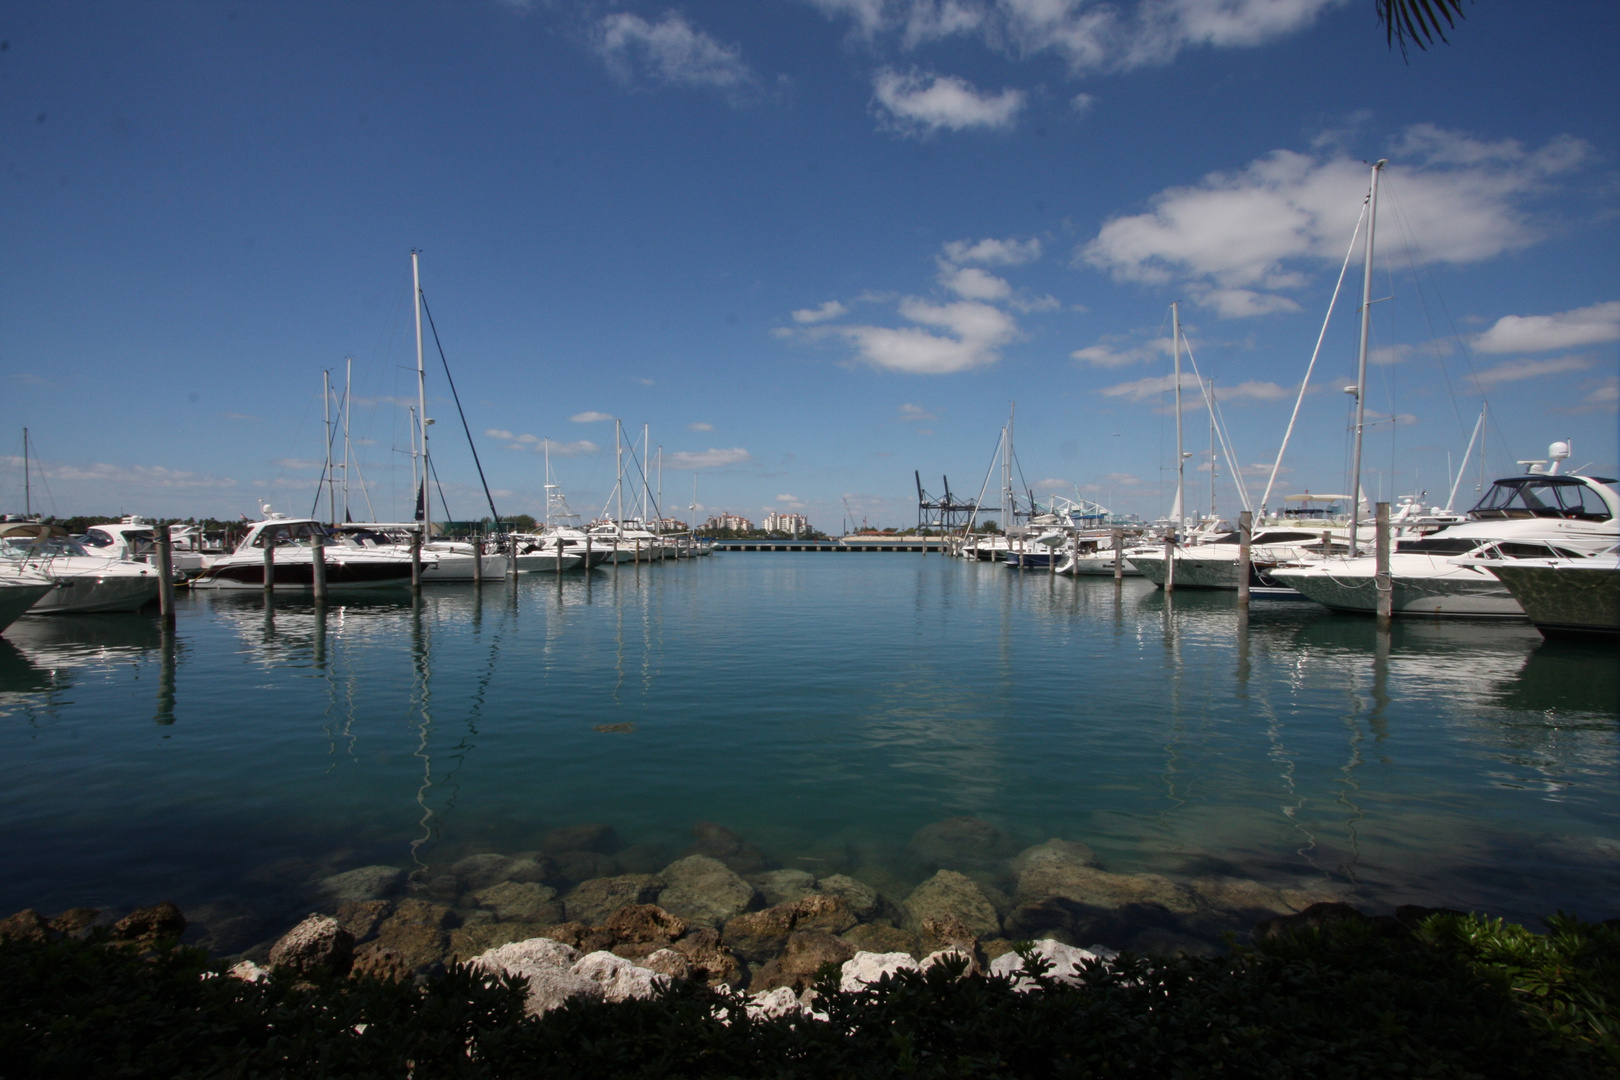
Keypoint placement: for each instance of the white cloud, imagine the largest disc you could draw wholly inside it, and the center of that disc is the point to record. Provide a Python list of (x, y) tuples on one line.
[(973, 332), (590, 417), (700, 426), (1239, 240), (1514, 370), (1593, 325), (1605, 396), (832, 309), (669, 52), (1051, 484), (563, 449), (1082, 103), (298, 463), (125, 481), (1106, 354), (994, 252), (1151, 387), (1090, 37), (707, 459), (918, 103), (1252, 390), (910, 412), (498, 433), (971, 283)]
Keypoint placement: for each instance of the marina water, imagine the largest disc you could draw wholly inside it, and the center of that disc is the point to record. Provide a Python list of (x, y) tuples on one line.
[(822, 708)]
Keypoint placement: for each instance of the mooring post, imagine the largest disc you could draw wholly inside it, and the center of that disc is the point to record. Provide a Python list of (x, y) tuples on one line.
[(269, 539), (1386, 591), (317, 567), (559, 556), (416, 560), (1170, 561), (1245, 555), (1119, 556), (165, 551), (478, 561), (512, 553)]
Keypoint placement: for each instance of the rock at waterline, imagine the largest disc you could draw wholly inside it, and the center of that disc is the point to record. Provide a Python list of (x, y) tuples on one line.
[(620, 979), (949, 894), (482, 870), (150, 923), (804, 955), (783, 886), (364, 883), (703, 890), (883, 938), (25, 925), (718, 842), (318, 945), (556, 973), (866, 902), (1065, 960), (759, 935)]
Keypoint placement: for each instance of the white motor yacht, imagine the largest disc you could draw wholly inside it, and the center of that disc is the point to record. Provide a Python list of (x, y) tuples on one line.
[(292, 540), (20, 589), (1214, 564), (85, 582), (451, 560), (1566, 597), (1536, 515), (134, 538)]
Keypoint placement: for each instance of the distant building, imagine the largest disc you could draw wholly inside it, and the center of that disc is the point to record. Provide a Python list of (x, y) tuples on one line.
[(668, 525), (734, 522), (794, 524)]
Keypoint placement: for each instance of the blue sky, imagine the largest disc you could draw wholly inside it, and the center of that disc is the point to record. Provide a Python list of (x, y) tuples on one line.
[(813, 244)]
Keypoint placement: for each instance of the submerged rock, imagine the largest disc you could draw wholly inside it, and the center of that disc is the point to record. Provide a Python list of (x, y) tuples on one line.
[(521, 901), (949, 894), (703, 890), (864, 901), (363, 883), (481, 871), (784, 886), (316, 946), (594, 900), (719, 842), (585, 865), (960, 841), (531, 867), (362, 917), (591, 836)]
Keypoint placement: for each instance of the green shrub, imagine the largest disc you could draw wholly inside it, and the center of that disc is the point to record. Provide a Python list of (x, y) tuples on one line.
[(1455, 997)]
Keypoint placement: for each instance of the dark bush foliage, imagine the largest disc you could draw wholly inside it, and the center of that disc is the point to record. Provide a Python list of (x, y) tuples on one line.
[(1455, 997)]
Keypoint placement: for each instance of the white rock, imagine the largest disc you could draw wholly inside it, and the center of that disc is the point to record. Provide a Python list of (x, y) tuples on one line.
[(248, 971), (774, 1004), (869, 967), (1063, 958), (547, 966), (945, 954), (619, 979)]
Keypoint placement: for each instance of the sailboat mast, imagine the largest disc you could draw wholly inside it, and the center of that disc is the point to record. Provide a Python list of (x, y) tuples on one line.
[(1212, 448), (1361, 356), (422, 514), (659, 502), (618, 462), (326, 411), (1181, 457), (645, 439), (1007, 505), (28, 490), (348, 386)]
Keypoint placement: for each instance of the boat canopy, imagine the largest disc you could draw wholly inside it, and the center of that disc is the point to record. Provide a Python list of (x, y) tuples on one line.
[(1573, 497)]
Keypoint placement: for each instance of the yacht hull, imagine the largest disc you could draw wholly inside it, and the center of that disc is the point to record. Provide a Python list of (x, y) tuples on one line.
[(1462, 591), (1564, 600), (299, 576), (17, 597), (86, 593)]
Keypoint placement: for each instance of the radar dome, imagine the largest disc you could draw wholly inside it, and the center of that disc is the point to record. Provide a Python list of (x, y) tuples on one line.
[(1558, 451)]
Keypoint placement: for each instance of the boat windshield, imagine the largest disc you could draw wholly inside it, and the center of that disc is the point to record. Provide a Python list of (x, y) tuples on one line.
[(1447, 545), (293, 532), (1542, 497)]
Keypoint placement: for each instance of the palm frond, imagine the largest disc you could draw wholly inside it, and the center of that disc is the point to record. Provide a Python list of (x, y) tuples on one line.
[(1418, 21)]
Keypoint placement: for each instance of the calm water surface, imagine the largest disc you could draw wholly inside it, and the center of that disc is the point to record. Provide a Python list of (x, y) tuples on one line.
[(822, 707)]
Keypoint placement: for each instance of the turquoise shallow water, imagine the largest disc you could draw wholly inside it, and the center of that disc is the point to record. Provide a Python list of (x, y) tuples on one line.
[(822, 707)]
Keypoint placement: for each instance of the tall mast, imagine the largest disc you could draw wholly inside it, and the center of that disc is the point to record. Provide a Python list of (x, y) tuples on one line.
[(422, 420), (1361, 355), (1212, 448), (28, 493), (1180, 512), (548, 485), (1007, 504), (659, 501), (644, 486), (348, 386), (618, 461), (326, 409)]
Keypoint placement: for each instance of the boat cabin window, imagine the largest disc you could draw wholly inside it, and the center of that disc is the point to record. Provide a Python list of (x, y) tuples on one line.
[(1272, 536), (1542, 496), (293, 532), (96, 538), (1530, 549), (1448, 545)]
